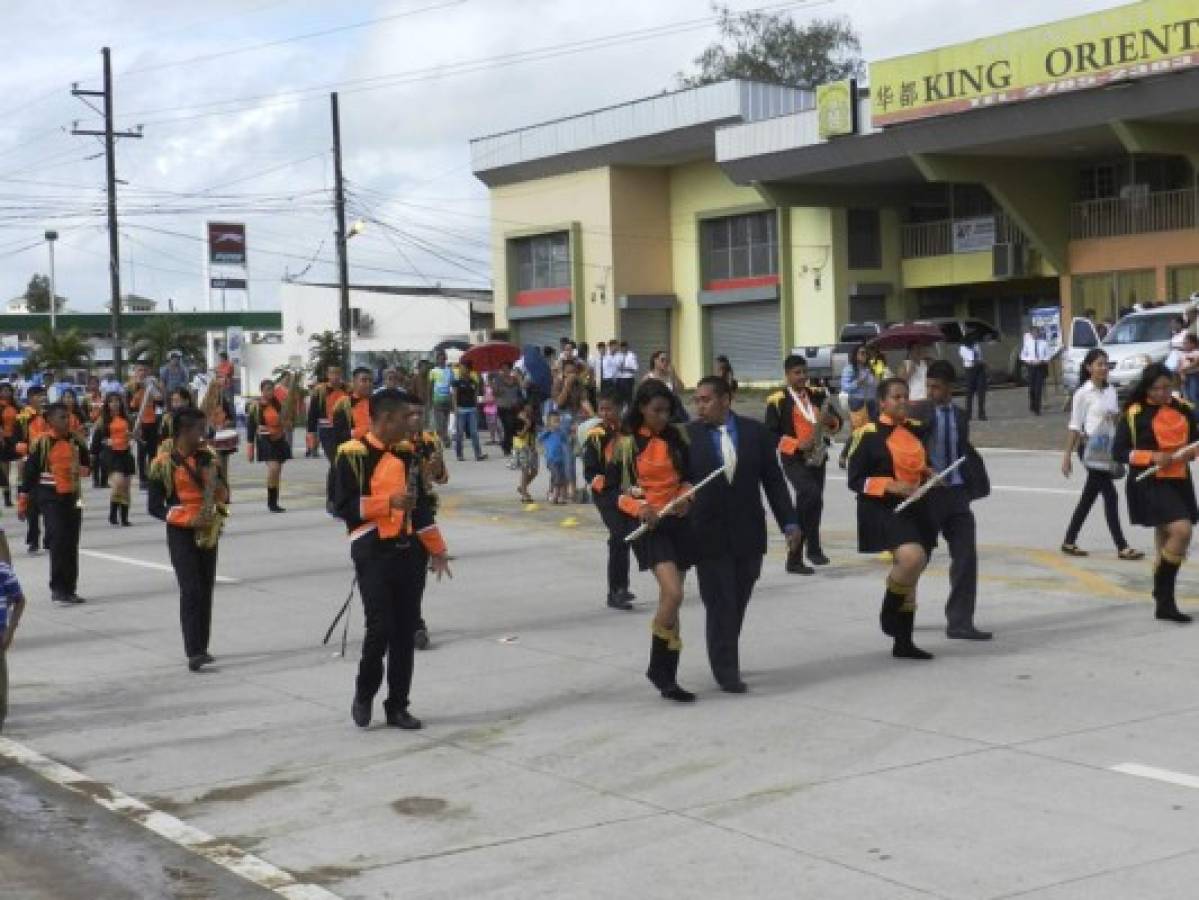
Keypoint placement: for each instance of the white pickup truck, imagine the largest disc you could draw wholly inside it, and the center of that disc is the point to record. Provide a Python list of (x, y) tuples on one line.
[(1138, 339)]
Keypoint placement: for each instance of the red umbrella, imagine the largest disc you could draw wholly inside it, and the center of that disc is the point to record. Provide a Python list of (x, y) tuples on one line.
[(490, 356), (900, 337)]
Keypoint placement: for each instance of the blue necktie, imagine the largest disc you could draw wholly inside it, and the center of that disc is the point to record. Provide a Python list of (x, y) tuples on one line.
[(947, 439)]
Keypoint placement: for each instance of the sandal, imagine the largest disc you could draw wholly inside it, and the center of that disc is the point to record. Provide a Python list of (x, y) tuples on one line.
[(1073, 550), (1130, 553)]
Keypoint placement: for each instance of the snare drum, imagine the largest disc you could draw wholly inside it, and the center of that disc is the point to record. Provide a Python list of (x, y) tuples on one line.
[(224, 441)]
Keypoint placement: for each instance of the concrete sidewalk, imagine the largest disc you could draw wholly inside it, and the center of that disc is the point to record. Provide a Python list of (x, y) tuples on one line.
[(550, 768)]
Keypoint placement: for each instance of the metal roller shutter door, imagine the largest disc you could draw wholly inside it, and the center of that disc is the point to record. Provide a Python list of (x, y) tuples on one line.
[(750, 335), (646, 330), (542, 332)]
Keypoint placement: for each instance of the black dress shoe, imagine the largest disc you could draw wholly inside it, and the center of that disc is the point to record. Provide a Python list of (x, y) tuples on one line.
[(968, 634), (677, 694), (69, 599), (799, 567), (817, 558), (420, 639), (197, 662), (360, 713), (616, 601), (627, 595), (734, 687), (403, 719)]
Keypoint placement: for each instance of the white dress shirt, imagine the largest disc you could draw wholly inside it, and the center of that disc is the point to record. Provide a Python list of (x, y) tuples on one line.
[(1091, 406), (628, 365), (970, 356), (611, 365)]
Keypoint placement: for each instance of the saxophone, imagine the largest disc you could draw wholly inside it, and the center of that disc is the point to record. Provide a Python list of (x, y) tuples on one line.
[(817, 454), (211, 520)]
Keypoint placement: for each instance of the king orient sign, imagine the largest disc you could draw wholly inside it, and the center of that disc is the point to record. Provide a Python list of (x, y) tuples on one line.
[(1152, 37), (227, 243)]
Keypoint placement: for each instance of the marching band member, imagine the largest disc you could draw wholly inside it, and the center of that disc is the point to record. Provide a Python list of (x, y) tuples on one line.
[(351, 414), (394, 540), (887, 463), (1154, 430), (324, 400), (429, 454), (650, 464), (598, 446), (30, 426), (10, 414), (179, 399), (799, 420), (268, 437), (111, 441), (77, 416), (93, 402), (186, 491), (217, 407), (56, 462), (142, 399)]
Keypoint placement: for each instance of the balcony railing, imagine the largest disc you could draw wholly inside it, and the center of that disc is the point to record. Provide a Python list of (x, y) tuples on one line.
[(936, 238), (1144, 214)]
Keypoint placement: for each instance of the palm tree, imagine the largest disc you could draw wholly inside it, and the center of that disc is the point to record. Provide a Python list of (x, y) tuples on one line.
[(153, 342), (326, 350), (59, 350)]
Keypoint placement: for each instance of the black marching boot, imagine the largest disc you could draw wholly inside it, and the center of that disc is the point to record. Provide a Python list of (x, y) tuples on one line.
[(272, 500), (795, 563), (616, 600), (664, 665), (1165, 574), (905, 622), (112, 512), (124, 511), (815, 552), (892, 601)]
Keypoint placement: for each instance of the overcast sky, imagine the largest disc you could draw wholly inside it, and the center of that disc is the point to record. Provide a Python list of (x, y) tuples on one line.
[(265, 158)]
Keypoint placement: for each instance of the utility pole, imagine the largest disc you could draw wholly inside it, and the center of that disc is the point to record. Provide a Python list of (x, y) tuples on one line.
[(51, 237), (343, 266), (110, 158)]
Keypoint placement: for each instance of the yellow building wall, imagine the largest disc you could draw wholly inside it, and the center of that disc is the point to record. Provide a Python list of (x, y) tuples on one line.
[(815, 313), (960, 268), (553, 204), (696, 188), (640, 233)]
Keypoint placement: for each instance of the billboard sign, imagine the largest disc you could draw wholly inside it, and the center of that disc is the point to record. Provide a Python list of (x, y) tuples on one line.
[(1138, 40), (228, 284), (970, 235), (837, 108), (227, 243)]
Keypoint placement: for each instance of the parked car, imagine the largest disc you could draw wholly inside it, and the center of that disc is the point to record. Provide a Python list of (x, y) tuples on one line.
[(1138, 339), (826, 361), (1001, 356)]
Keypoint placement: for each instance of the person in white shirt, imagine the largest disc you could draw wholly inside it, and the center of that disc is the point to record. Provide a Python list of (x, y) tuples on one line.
[(915, 371), (1178, 333), (626, 376), (1035, 354), (610, 363), (976, 377), (1093, 414)]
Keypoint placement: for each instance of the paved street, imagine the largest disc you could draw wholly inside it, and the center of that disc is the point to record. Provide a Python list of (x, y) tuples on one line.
[(550, 768)]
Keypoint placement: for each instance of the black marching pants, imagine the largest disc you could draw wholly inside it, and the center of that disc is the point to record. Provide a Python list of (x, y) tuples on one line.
[(1098, 484), (391, 579), (147, 449), (617, 524), (808, 482), (195, 570), (976, 386), (64, 520), (1036, 386), (725, 586), (955, 522), (33, 523), (508, 425)]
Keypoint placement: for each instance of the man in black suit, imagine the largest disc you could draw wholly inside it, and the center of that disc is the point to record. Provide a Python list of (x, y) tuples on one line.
[(728, 521), (947, 439)]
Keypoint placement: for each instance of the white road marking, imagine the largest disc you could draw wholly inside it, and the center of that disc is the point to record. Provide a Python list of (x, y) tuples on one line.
[(252, 868), (1010, 488), (158, 567), (1179, 778)]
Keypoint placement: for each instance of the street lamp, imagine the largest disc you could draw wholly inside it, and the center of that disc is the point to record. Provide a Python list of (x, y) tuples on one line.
[(51, 237)]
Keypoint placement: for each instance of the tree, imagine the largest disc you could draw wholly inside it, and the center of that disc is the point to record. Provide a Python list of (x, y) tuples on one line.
[(58, 350), (152, 343), (326, 350), (771, 47), (37, 295)]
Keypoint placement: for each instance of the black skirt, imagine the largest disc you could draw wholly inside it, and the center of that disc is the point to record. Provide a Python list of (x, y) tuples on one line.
[(8, 450), (881, 528), (1159, 501), (269, 450), (118, 462), (666, 542)]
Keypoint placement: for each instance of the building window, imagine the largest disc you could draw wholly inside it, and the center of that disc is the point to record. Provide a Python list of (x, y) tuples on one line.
[(865, 235), (738, 247), (871, 308), (542, 262)]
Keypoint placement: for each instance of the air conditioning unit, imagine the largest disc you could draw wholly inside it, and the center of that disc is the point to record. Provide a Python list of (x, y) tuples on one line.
[(480, 335), (1009, 261)]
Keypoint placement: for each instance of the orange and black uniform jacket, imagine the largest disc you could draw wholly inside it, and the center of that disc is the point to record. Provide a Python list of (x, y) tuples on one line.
[(50, 467), (883, 452), (31, 425), (223, 416), (651, 463), (267, 418), (366, 474), (321, 405), (790, 426), (134, 394), (1147, 428), (598, 446), (10, 423), (176, 493), (351, 418), (114, 434)]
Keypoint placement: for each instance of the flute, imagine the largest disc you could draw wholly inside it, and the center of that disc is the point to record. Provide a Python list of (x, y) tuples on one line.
[(1152, 470), (674, 504), (929, 485)]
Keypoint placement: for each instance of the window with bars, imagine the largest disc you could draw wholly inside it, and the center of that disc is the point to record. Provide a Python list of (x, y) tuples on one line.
[(865, 239), (743, 246), (542, 262)]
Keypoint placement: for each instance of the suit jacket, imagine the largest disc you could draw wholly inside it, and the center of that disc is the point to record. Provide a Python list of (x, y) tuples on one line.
[(728, 519), (974, 471)]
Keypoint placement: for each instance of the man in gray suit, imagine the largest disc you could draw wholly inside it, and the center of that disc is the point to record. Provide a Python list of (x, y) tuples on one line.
[(947, 439)]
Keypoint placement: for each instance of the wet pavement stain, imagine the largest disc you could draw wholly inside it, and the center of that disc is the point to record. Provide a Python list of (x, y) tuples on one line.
[(243, 791), (325, 874), (420, 806), (93, 789)]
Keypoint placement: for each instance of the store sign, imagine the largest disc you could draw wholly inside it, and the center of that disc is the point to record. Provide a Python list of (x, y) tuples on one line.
[(837, 108), (235, 342), (228, 284), (1049, 320), (227, 243), (971, 235), (1152, 37)]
